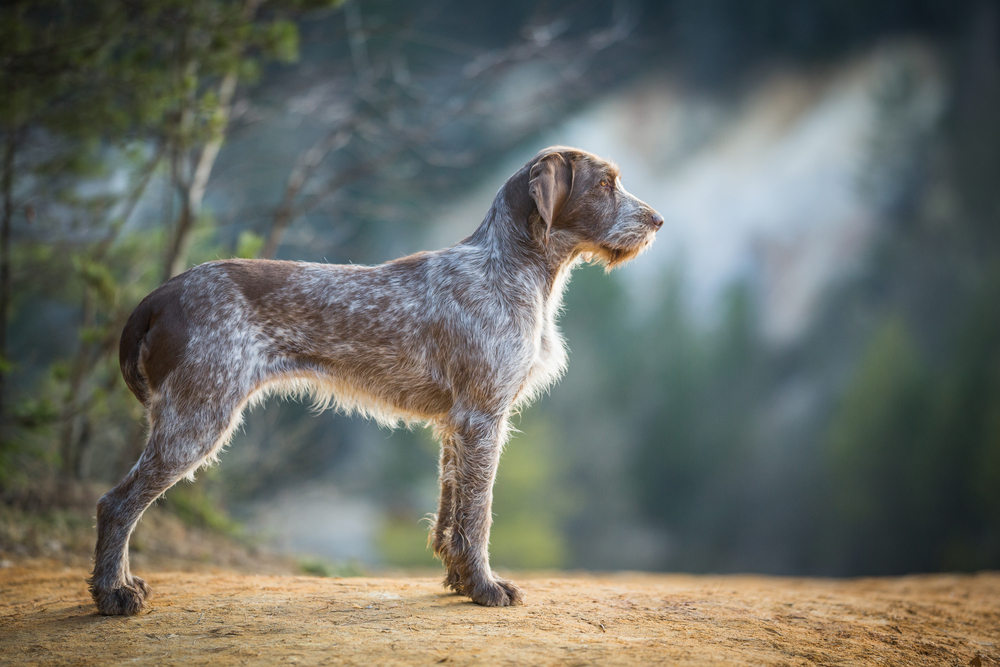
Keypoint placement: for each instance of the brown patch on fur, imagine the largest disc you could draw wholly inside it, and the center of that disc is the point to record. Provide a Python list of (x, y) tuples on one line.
[(159, 321), (257, 278)]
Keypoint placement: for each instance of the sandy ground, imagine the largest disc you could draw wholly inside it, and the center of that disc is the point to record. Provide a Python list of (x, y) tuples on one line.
[(227, 618)]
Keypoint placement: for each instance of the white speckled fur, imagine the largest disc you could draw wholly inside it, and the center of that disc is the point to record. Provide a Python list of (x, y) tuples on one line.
[(456, 339)]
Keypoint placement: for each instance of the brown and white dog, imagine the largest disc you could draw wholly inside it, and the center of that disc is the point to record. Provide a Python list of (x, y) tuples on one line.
[(456, 339)]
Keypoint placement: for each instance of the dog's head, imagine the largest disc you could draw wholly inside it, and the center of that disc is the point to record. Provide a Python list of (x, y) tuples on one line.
[(582, 204)]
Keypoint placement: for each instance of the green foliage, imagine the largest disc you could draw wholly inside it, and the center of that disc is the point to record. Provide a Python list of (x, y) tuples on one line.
[(281, 40), (197, 508), (708, 389), (106, 90), (881, 421), (914, 453), (97, 276), (11, 453), (402, 541), (249, 244), (45, 533), (529, 504)]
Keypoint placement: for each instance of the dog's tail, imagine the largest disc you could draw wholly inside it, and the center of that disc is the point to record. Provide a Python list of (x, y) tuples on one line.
[(130, 349)]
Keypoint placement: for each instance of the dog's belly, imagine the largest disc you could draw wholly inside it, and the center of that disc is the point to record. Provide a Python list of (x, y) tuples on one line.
[(376, 380)]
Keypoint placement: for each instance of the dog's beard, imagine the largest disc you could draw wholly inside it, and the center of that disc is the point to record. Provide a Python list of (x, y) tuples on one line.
[(614, 255)]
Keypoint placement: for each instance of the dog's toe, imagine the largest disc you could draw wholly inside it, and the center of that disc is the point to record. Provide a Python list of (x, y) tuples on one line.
[(495, 593), (514, 593)]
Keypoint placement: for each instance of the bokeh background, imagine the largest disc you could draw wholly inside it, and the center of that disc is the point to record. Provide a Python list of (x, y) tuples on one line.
[(802, 376)]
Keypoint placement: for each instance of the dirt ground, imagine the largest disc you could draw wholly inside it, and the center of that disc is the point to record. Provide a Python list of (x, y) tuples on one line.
[(229, 618)]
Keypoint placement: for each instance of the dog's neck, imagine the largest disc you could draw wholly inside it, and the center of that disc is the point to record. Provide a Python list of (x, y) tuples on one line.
[(514, 235)]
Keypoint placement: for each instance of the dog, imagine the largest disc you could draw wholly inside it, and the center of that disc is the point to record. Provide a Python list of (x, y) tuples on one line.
[(456, 339)]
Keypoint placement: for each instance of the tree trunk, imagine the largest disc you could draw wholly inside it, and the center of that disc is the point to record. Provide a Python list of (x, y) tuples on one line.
[(193, 191), (5, 288), (73, 415)]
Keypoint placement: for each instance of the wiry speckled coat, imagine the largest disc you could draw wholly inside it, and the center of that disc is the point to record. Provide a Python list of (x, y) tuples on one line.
[(456, 338)]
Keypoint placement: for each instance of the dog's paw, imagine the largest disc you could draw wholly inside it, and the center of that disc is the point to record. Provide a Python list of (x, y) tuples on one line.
[(495, 592), (453, 580), (126, 600)]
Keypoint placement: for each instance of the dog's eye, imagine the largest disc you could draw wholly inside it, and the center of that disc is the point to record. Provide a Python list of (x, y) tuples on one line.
[(605, 183)]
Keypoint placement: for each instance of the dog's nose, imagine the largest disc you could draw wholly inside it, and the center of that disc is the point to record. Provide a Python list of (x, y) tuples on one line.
[(655, 219)]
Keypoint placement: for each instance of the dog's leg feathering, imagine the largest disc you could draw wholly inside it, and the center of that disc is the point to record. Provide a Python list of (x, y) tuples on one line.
[(444, 523)]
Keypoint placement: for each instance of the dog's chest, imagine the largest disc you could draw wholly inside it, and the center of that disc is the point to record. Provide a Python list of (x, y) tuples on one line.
[(548, 351)]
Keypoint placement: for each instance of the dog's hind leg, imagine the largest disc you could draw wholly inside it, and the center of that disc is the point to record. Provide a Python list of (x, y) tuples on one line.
[(479, 439), (177, 446)]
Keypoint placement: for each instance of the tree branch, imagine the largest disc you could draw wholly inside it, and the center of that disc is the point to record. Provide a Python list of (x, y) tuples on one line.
[(194, 189)]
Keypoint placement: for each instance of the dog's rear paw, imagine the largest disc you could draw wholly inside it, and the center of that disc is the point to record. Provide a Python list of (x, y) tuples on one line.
[(496, 593), (127, 600)]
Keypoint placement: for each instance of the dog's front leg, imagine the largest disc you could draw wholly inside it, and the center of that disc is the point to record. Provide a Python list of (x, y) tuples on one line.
[(478, 439)]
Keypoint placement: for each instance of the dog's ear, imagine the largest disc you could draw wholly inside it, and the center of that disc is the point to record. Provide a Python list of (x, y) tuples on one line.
[(550, 186)]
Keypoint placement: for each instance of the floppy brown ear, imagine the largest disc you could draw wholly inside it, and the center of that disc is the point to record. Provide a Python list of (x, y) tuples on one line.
[(550, 186)]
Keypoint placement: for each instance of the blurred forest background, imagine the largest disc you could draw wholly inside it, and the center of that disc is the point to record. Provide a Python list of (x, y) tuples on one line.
[(801, 377)]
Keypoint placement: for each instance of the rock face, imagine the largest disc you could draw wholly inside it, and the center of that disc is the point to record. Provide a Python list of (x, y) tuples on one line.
[(46, 617), (783, 183)]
